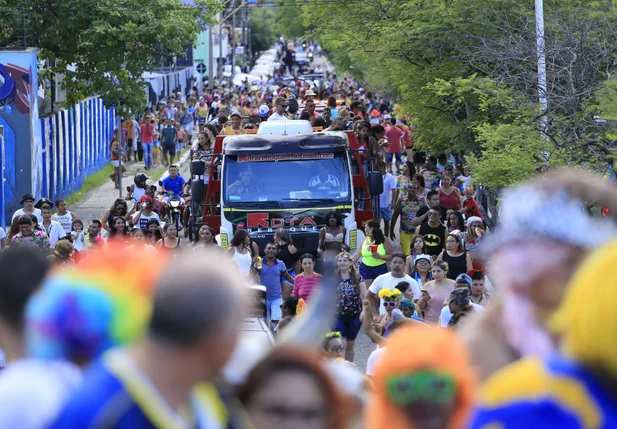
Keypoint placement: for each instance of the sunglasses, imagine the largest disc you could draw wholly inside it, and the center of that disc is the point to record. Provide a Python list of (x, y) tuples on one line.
[(337, 349), (433, 214), (427, 386), (423, 262), (389, 303)]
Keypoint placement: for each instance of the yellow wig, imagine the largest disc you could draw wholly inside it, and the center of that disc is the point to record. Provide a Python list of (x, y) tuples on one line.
[(431, 348), (587, 318)]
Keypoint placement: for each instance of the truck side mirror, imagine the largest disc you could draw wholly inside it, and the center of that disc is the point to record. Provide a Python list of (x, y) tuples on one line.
[(198, 167), (375, 183)]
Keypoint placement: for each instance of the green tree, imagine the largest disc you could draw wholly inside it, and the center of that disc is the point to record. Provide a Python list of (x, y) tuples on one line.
[(103, 47), (289, 21), (262, 28), (456, 67)]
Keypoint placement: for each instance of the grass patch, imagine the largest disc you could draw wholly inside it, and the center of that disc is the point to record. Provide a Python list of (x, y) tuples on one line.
[(96, 180)]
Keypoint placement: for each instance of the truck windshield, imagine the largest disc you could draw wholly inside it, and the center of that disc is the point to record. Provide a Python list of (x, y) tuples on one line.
[(291, 179)]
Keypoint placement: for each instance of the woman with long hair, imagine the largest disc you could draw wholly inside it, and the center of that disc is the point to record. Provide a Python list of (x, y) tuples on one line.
[(435, 292), (419, 179), (286, 251), (455, 222), (307, 282), (459, 262), (118, 209), (292, 385), (375, 250), (417, 248), (243, 252), (404, 180), (206, 239), (351, 289), (155, 231), (119, 230), (170, 241), (332, 236), (420, 269), (449, 195)]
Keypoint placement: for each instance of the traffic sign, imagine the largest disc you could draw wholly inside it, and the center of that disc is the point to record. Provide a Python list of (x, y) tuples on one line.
[(201, 68)]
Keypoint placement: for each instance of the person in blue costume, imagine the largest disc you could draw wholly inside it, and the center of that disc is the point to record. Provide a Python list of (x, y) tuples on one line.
[(577, 387), (166, 379)]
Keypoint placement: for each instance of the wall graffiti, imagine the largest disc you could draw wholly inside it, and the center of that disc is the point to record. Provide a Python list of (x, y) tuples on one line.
[(18, 112)]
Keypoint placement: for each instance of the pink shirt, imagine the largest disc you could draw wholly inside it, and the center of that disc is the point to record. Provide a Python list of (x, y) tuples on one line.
[(305, 286), (394, 135)]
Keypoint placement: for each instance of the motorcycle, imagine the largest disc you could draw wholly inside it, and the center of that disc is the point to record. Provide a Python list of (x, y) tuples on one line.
[(174, 209), (310, 56)]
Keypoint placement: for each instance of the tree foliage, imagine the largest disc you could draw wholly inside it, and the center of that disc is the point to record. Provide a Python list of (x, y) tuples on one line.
[(289, 21), (466, 73), (262, 28), (103, 47)]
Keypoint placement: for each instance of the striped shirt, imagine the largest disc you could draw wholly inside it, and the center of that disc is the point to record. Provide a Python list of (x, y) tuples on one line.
[(305, 286)]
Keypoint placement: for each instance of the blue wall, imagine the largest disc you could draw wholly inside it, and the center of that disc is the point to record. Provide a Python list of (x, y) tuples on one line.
[(75, 144), (20, 149)]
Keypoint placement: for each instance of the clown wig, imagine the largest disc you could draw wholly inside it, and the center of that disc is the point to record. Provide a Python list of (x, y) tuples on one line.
[(103, 302), (442, 351)]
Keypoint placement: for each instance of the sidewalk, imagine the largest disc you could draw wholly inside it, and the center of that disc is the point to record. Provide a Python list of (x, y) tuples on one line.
[(94, 204)]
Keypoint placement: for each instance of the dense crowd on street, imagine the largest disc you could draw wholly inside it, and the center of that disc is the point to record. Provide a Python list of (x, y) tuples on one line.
[(120, 322)]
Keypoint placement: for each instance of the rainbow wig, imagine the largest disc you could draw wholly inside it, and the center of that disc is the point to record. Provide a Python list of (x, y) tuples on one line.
[(587, 317), (103, 302), (441, 351)]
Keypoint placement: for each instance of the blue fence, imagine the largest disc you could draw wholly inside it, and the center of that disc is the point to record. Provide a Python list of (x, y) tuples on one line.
[(75, 145)]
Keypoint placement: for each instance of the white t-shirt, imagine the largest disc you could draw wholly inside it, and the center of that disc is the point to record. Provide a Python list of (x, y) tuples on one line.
[(20, 212), (446, 314), (33, 392), (373, 359), (388, 281), (276, 117), (143, 219), (55, 232), (385, 199)]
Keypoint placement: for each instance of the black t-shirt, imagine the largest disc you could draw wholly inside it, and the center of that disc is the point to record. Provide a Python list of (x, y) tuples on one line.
[(433, 238)]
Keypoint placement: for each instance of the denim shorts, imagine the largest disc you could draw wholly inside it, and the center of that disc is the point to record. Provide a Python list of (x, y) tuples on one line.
[(390, 156), (385, 213), (371, 273)]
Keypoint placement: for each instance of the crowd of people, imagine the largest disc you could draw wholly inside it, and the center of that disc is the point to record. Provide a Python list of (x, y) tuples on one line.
[(120, 322)]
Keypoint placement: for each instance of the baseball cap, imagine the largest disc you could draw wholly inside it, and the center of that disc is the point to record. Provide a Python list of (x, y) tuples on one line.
[(460, 296), (463, 278), (263, 111), (423, 257), (235, 114)]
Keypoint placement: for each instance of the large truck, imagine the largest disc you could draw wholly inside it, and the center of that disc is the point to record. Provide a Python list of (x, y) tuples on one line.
[(286, 176)]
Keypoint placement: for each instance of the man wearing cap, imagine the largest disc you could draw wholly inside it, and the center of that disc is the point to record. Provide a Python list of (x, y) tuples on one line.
[(280, 104), (235, 128), (263, 112), (543, 236), (27, 203), (53, 229), (463, 282)]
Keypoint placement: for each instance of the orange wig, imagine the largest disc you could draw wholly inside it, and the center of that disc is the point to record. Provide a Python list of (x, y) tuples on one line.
[(416, 348)]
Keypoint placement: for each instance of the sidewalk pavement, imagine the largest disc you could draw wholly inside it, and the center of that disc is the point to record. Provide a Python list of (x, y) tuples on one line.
[(94, 204)]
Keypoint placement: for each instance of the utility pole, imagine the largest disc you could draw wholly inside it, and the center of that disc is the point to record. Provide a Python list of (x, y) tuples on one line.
[(543, 96), (220, 58), (250, 44), (233, 46)]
